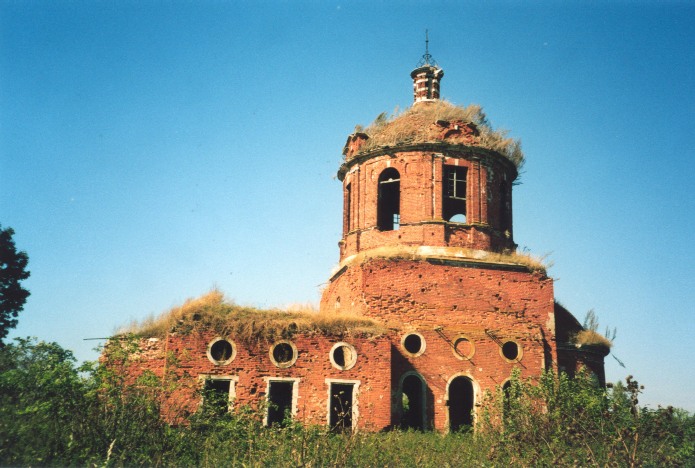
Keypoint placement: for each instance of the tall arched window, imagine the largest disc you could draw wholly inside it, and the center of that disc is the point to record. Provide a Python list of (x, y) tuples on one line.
[(347, 209), (461, 403), (454, 203), (388, 211), (412, 402), (505, 208)]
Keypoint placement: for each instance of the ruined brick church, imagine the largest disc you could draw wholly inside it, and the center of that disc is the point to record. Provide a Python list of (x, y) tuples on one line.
[(427, 251)]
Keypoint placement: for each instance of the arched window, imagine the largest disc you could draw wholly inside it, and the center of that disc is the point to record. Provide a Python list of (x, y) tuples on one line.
[(505, 208), (412, 402), (461, 402), (454, 203), (388, 211), (347, 208)]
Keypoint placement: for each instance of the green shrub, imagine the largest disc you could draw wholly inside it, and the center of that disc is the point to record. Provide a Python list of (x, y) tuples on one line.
[(557, 420)]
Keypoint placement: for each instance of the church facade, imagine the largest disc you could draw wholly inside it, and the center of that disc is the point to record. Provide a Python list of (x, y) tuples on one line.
[(428, 253)]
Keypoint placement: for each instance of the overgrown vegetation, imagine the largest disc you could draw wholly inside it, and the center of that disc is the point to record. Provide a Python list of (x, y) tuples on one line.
[(248, 324), (590, 336), (564, 421), (54, 413), (417, 124)]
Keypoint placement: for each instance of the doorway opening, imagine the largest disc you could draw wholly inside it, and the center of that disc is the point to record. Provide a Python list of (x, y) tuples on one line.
[(461, 401)]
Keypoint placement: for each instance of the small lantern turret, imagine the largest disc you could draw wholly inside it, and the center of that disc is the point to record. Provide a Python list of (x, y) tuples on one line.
[(426, 76)]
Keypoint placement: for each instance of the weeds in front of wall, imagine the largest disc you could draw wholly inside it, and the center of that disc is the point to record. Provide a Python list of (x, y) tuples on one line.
[(55, 413)]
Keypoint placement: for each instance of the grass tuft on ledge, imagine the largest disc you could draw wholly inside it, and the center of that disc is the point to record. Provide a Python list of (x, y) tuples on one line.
[(248, 324), (592, 338)]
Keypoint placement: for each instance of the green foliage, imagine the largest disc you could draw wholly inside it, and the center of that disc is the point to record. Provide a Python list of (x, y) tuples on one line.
[(13, 270), (564, 421), (55, 413)]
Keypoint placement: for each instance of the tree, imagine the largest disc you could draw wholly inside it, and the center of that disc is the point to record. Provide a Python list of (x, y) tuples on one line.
[(13, 269)]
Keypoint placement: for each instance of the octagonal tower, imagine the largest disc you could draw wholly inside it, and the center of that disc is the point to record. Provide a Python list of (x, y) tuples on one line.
[(428, 177)]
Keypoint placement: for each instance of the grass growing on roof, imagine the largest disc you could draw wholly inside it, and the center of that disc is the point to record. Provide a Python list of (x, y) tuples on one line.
[(590, 336), (417, 125), (249, 324), (414, 252)]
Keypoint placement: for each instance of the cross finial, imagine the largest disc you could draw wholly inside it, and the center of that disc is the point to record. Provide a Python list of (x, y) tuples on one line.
[(427, 58)]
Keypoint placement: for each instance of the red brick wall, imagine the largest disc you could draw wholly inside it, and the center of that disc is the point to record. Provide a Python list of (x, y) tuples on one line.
[(252, 366), (421, 203), (442, 301)]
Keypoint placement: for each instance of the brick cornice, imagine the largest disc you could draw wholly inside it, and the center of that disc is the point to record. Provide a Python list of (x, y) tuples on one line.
[(455, 151)]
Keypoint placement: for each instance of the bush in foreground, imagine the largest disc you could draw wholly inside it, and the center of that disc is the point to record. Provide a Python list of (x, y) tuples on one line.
[(55, 413)]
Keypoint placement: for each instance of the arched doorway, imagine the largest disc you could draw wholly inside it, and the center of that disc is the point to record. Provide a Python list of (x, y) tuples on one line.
[(461, 401), (412, 402)]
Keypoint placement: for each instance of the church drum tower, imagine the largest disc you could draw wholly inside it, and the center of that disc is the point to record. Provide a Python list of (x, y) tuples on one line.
[(427, 249)]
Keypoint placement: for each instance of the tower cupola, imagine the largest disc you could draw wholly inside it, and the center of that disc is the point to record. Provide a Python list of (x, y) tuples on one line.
[(426, 77)]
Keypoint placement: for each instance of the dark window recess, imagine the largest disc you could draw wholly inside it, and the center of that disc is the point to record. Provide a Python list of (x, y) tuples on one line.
[(339, 355), (340, 418), (510, 350), (221, 350), (460, 404), (505, 209), (412, 343), (216, 395), (279, 403), (389, 200), (412, 403), (347, 207), (507, 403), (283, 353), (454, 202)]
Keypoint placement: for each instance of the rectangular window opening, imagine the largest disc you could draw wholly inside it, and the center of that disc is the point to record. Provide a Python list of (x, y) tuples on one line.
[(280, 395), (217, 395), (454, 203), (341, 407)]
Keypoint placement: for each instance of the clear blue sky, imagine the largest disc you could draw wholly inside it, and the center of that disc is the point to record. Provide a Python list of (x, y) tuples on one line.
[(152, 150)]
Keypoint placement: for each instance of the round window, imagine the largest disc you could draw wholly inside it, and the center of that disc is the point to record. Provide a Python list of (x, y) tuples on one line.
[(463, 348), (413, 344), (221, 351), (343, 356), (511, 351), (283, 353)]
